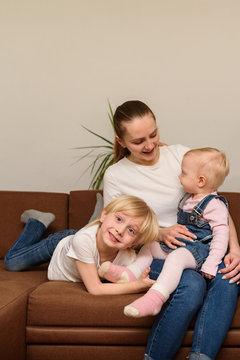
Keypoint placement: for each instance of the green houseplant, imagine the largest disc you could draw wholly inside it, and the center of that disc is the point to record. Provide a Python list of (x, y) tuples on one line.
[(101, 160)]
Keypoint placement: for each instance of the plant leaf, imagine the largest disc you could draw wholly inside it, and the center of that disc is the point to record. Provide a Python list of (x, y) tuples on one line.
[(98, 176), (83, 156), (93, 147), (101, 137), (102, 161), (110, 114)]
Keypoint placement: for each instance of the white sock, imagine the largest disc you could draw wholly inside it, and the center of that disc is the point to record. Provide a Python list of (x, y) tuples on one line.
[(43, 217)]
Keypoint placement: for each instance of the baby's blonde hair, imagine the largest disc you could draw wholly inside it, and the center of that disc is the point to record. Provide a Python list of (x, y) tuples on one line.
[(135, 207), (213, 164)]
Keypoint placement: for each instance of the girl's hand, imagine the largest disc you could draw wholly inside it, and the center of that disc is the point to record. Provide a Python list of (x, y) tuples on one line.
[(169, 234), (232, 269), (144, 282)]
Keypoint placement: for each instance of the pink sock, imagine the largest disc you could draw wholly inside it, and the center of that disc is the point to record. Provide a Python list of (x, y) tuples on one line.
[(115, 273), (149, 304)]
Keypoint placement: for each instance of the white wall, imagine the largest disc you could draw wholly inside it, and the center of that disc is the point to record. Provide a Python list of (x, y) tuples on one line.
[(62, 59)]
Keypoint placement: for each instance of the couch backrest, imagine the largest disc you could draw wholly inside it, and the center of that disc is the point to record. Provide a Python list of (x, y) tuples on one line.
[(72, 211), (12, 205), (234, 208), (81, 207)]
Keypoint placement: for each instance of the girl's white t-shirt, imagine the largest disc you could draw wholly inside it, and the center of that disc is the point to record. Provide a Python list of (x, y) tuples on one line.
[(158, 185), (81, 246)]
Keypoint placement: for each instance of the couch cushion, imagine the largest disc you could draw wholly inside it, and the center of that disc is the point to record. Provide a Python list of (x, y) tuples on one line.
[(69, 304), (81, 207), (98, 207), (233, 199), (13, 203), (14, 290), (15, 284)]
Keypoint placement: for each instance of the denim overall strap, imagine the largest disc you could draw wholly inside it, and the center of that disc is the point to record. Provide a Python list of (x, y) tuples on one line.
[(182, 200), (200, 207)]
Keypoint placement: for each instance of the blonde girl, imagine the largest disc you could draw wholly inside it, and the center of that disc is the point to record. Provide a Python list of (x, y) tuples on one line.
[(124, 224)]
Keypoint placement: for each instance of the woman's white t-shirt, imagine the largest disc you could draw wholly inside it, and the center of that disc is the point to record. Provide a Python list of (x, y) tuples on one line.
[(158, 185), (81, 246)]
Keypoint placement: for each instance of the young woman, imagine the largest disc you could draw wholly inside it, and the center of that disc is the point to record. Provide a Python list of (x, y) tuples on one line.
[(125, 223), (143, 168)]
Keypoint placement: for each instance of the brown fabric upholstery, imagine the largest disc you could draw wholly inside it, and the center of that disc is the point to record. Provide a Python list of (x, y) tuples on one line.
[(69, 304), (68, 352), (14, 290), (233, 199), (12, 205), (81, 207), (74, 352), (59, 320)]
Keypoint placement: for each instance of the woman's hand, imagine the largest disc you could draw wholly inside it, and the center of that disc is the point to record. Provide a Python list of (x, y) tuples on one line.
[(232, 269), (169, 234), (144, 282)]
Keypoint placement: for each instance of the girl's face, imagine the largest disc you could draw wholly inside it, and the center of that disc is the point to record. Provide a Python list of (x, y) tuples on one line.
[(118, 230), (141, 138), (189, 176)]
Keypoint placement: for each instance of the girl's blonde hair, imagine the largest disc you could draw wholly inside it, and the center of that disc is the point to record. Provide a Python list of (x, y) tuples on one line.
[(213, 164), (126, 113), (135, 207)]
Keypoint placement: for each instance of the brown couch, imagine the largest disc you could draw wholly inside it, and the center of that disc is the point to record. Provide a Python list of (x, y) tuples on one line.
[(41, 319)]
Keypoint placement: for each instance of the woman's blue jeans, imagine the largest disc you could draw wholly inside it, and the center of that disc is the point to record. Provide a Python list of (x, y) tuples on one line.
[(214, 318), (30, 250)]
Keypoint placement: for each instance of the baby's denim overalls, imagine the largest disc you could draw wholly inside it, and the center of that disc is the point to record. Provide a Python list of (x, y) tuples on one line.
[(198, 247)]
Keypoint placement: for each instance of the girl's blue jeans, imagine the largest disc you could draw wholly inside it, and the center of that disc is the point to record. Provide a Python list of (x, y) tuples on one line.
[(216, 299), (30, 250)]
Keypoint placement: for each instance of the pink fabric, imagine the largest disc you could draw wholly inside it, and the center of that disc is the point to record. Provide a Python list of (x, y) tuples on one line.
[(115, 273), (149, 304), (216, 214), (148, 253), (177, 261)]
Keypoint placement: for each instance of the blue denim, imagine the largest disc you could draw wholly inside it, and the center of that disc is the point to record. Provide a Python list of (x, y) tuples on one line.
[(173, 321), (200, 228), (213, 320), (29, 250)]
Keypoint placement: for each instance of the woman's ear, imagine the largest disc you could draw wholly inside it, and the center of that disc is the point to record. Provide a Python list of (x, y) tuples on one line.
[(120, 141), (102, 216)]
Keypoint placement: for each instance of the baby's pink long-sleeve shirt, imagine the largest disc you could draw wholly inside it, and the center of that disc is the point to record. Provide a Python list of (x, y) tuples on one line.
[(216, 214)]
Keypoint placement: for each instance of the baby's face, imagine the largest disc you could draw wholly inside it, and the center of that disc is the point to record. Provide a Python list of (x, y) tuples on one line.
[(190, 173)]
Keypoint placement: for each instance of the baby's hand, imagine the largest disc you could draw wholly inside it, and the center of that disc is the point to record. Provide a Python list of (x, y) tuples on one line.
[(207, 276)]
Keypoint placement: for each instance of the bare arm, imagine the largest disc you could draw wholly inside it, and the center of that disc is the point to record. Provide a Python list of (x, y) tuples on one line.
[(90, 278)]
